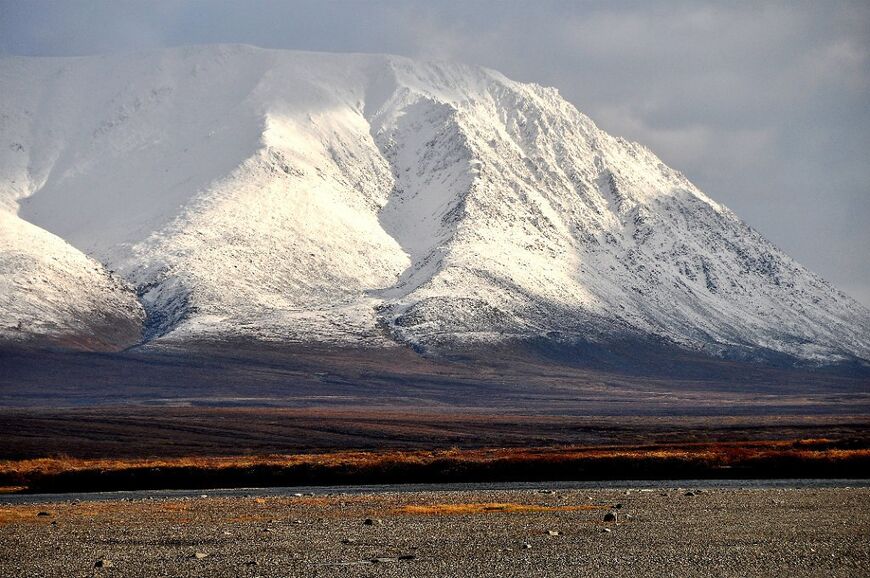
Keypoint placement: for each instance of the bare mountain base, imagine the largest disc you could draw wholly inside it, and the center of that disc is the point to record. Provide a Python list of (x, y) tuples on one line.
[(622, 378)]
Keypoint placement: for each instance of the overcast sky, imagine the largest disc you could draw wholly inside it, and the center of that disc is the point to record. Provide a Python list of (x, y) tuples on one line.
[(765, 106)]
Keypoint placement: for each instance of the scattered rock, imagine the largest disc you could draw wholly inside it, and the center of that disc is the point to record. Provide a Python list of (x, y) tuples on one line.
[(348, 541), (610, 517), (251, 563), (373, 522), (617, 506), (103, 563)]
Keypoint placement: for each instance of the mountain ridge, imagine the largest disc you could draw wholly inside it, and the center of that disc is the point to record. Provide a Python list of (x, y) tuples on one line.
[(374, 200)]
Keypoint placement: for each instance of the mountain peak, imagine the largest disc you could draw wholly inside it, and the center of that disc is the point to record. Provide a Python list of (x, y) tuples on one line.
[(371, 199)]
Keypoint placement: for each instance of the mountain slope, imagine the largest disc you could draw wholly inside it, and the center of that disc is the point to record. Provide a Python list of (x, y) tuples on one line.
[(371, 200), (52, 294)]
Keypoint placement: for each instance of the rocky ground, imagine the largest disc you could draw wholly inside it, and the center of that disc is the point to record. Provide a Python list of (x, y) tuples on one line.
[(527, 533)]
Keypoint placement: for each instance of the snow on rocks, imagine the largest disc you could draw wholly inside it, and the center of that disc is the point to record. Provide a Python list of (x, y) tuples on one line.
[(368, 199)]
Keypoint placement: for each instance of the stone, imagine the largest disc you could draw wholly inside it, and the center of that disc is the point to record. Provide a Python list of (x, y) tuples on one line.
[(610, 517), (200, 555), (373, 522), (606, 530), (103, 563), (43, 514), (553, 532)]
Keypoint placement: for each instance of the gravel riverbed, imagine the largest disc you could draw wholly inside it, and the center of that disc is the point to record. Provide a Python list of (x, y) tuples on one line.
[(526, 533)]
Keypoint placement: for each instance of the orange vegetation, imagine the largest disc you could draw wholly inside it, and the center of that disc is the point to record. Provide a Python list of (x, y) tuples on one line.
[(487, 508), (723, 453), (441, 465), (104, 511)]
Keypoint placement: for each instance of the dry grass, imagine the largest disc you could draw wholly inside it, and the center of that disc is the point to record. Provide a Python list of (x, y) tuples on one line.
[(21, 515), (486, 508), (454, 464), (723, 453), (93, 511), (259, 511), (50, 466)]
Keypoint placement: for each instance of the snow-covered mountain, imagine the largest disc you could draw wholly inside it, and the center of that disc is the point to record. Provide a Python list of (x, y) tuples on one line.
[(221, 192)]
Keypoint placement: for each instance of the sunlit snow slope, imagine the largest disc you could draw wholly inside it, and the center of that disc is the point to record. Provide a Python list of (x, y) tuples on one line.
[(366, 200)]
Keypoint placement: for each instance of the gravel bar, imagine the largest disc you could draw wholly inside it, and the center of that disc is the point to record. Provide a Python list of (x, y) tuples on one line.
[(528, 533)]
